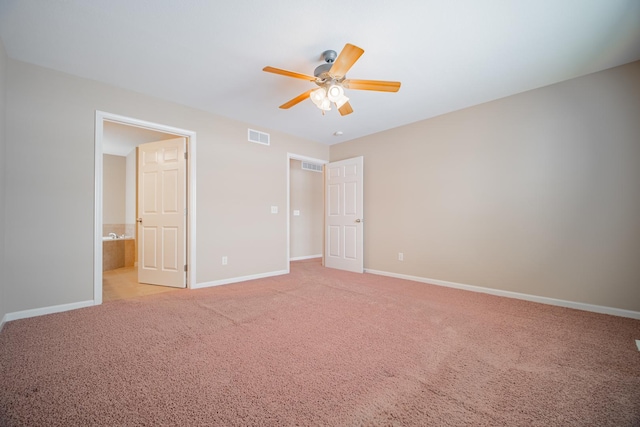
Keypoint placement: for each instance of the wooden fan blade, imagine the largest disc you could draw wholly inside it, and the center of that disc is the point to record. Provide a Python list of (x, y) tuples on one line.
[(378, 85), (297, 99), (289, 73), (345, 109), (345, 61)]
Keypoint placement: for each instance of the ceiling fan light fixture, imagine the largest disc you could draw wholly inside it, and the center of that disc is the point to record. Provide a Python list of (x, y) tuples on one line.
[(317, 96), (331, 78), (335, 92)]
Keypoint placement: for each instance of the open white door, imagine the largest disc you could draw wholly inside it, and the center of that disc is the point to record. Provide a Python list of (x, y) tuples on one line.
[(344, 215), (161, 213)]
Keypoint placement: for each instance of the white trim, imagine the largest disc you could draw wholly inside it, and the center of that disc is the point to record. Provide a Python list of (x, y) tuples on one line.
[(97, 211), (306, 158), (527, 297), (239, 279), (302, 159), (638, 344), (101, 116), (4, 320), (302, 258), (46, 310)]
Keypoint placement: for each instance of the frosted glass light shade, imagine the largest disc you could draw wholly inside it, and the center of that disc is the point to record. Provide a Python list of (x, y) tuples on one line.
[(318, 95), (335, 92), (325, 105)]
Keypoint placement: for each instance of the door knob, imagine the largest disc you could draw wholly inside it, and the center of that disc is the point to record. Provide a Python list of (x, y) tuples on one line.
[(358, 220), (139, 220)]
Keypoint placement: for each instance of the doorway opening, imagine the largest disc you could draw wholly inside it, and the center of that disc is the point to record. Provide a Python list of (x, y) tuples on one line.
[(305, 208), (127, 134)]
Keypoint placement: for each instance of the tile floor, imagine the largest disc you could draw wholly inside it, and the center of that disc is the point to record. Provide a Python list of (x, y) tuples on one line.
[(122, 283)]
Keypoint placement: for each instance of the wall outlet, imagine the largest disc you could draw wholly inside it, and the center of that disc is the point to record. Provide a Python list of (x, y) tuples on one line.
[(296, 213), (274, 209), (225, 260), (400, 256)]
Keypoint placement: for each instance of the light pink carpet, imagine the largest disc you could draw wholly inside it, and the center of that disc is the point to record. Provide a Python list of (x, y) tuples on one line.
[(324, 348)]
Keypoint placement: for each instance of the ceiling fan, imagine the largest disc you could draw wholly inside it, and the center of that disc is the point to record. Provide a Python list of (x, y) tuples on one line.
[(331, 77)]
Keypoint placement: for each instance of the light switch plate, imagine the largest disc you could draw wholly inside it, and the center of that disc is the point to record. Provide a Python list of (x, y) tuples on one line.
[(274, 209)]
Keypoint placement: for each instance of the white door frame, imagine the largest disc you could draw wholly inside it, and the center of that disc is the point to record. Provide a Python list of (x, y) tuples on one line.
[(293, 156), (101, 117)]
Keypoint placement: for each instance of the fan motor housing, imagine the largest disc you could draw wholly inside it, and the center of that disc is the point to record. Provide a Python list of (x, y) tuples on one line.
[(322, 71)]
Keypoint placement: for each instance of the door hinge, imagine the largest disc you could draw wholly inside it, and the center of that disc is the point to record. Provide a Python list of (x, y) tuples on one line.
[(185, 155), (185, 268)]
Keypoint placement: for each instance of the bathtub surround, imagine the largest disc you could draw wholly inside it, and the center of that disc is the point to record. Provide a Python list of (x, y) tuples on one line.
[(118, 253), (121, 252)]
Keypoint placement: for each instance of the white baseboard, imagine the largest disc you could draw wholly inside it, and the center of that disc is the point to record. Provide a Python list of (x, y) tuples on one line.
[(302, 258), (16, 315), (527, 297), (3, 321), (238, 279)]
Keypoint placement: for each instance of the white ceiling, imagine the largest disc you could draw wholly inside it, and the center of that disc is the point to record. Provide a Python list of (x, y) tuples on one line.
[(209, 55)]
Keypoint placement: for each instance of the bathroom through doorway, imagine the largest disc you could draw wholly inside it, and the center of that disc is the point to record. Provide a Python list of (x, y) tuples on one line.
[(117, 225)]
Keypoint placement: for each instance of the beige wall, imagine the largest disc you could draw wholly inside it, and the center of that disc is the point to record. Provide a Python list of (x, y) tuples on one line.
[(50, 144), (536, 193), (114, 175), (3, 281), (306, 197)]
